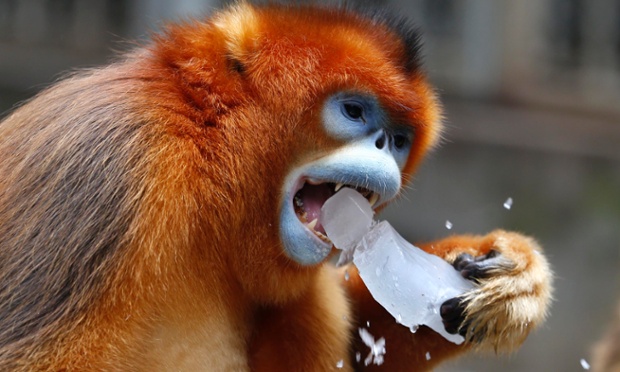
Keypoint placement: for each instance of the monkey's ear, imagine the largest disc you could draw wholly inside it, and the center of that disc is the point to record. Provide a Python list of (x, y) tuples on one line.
[(239, 27)]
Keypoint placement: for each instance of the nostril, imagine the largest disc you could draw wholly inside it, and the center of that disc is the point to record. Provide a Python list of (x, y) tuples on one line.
[(380, 142)]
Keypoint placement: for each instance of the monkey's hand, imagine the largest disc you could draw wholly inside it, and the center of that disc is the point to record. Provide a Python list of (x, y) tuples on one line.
[(513, 293), (511, 299)]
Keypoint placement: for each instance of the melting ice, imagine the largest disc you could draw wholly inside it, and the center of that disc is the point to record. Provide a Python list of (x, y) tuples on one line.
[(408, 282), (346, 218)]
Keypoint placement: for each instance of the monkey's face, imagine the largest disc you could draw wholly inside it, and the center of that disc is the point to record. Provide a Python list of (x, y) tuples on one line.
[(338, 100), (373, 152)]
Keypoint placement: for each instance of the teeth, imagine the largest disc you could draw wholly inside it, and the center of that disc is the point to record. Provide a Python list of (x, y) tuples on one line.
[(374, 198), (323, 237), (298, 202), (312, 224), (338, 186)]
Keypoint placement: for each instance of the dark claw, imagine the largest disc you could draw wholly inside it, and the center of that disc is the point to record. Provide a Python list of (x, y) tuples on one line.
[(491, 254), (480, 267), (462, 261), (473, 268), (452, 315), (464, 328)]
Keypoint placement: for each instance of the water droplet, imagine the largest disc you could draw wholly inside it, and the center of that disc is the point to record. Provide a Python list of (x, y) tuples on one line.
[(448, 225), (346, 275), (368, 323), (340, 364), (508, 203), (358, 356), (584, 364), (414, 328), (428, 355)]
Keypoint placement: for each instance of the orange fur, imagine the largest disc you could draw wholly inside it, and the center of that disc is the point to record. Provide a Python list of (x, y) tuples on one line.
[(139, 205)]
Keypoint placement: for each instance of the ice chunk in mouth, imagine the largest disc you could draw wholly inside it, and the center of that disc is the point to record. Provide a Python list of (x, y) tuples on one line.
[(408, 282), (346, 219)]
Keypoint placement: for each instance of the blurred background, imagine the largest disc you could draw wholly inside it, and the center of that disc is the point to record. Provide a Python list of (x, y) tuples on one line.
[(531, 92)]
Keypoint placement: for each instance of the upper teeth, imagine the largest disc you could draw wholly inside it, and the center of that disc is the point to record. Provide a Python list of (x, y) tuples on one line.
[(374, 197)]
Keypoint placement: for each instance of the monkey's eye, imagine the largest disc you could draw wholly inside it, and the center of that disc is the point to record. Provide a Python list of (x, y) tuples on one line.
[(400, 141), (353, 111)]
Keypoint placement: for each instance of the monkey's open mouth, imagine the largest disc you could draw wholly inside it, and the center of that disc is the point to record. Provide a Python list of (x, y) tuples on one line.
[(312, 195)]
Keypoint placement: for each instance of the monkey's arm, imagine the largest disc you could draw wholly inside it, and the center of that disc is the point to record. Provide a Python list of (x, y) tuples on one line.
[(511, 299)]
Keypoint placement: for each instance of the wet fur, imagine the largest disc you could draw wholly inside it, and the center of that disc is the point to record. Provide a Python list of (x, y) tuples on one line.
[(139, 206)]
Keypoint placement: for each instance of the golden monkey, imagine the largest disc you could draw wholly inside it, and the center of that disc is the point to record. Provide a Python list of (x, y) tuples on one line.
[(158, 213)]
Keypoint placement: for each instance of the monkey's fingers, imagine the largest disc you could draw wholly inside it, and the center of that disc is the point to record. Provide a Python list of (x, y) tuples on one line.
[(513, 296)]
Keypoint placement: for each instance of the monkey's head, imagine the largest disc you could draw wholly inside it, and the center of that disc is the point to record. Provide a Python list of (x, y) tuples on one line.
[(303, 100)]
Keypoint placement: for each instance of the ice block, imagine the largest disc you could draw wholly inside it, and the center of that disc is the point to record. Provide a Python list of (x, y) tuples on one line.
[(408, 282)]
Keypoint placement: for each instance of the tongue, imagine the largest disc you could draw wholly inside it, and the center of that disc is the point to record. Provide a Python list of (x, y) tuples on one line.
[(313, 197)]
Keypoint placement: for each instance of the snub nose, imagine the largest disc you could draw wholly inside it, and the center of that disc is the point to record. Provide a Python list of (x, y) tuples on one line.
[(381, 141)]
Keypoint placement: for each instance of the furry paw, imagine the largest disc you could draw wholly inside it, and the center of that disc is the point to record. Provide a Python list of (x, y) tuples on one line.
[(513, 295)]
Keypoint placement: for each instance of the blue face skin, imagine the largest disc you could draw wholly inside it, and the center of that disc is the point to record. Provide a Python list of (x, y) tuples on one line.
[(373, 153)]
